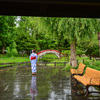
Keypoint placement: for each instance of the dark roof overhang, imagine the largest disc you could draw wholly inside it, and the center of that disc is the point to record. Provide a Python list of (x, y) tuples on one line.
[(51, 8)]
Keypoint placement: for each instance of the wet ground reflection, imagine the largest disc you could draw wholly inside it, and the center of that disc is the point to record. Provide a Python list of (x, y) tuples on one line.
[(47, 84), (33, 88)]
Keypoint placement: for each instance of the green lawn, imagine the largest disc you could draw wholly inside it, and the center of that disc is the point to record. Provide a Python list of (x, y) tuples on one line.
[(50, 55), (5, 59)]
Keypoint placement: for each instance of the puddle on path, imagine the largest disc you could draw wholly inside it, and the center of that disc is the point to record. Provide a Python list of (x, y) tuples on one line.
[(47, 84)]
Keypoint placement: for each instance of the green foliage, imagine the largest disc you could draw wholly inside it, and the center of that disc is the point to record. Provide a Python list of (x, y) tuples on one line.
[(53, 31), (6, 59), (48, 58), (67, 52), (97, 63), (27, 34), (88, 62), (8, 52), (48, 33), (95, 53), (79, 52), (68, 67), (89, 45), (7, 30), (50, 55), (97, 24), (11, 50)]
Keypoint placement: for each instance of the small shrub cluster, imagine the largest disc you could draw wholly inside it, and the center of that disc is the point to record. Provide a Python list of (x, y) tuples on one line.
[(68, 67)]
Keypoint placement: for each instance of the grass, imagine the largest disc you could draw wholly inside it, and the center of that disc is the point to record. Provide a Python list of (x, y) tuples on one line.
[(5, 59), (50, 55), (48, 58), (86, 60), (63, 59), (90, 63)]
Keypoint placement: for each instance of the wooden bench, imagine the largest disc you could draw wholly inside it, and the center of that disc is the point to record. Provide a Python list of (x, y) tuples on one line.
[(78, 71), (90, 78)]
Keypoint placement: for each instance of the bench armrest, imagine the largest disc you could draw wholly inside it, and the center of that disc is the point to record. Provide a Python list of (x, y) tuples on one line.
[(95, 80), (80, 71)]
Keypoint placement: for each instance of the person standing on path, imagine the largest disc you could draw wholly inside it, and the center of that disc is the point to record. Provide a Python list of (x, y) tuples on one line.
[(33, 59)]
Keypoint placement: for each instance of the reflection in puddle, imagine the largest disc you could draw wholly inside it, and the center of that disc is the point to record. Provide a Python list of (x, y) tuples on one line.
[(33, 88), (47, 84)]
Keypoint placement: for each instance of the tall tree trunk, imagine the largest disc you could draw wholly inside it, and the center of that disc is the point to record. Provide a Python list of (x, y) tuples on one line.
[(3, 49), (22, 53), (59, 50), (90, 56), (99, 42), (73, 61)]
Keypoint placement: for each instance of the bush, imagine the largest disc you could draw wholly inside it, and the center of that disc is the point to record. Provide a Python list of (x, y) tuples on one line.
[(9, 54), (25, 55), (14, 51), (88, 63), (68, 67), (97, 63), (79, 52), (95, 53), (67, 54), (18, 55), (11, 50)]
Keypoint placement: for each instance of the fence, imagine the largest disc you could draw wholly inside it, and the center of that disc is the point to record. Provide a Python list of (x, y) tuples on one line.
[(52, 63), (94, 61), (4, 65), (49, 58), (18, 64)]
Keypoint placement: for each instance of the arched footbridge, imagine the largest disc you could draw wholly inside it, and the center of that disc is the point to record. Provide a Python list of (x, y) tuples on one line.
[(43, 52)]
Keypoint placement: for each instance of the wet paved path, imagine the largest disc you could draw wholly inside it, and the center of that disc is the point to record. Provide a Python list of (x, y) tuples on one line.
[(48, 84)]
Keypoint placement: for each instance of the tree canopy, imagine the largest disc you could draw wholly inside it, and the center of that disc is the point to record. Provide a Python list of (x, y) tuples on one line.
[(22, 33)]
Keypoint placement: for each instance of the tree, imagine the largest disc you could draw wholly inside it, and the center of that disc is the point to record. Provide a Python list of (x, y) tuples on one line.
[(6, 31), (89, 46), (11, 50), (52, 30), (72, 29), (97, 29), (75, 30), (25, 36)]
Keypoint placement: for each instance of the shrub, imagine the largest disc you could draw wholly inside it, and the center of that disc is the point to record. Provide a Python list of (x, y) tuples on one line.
[(9, 54), (68, 67), (14, 51), (95, 53), (11, 50), (67, 54), (79, 52), (88, 62), (97, 63)]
